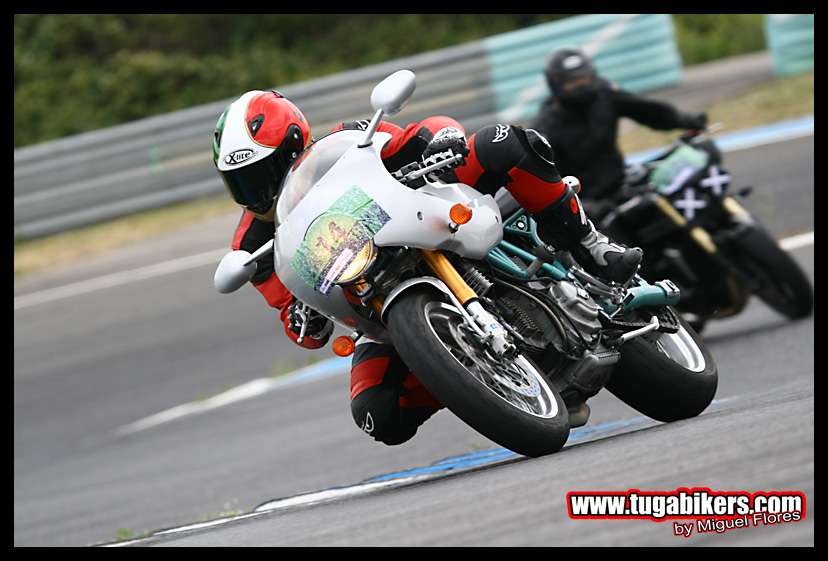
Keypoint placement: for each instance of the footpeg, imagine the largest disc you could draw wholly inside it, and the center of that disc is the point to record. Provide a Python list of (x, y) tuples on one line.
[(653, 325)]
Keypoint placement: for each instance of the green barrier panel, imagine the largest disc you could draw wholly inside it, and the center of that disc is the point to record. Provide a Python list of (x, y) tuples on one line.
[(790, 39), (637, 51)]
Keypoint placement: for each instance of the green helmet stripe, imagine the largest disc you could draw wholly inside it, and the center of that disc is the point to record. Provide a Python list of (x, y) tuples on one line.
[(217, 134)]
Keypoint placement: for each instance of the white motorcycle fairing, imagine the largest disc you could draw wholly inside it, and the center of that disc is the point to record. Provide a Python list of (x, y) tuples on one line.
[(336, 189)]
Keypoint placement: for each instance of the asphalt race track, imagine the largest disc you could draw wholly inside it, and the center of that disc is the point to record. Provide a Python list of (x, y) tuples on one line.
[(88, 365)]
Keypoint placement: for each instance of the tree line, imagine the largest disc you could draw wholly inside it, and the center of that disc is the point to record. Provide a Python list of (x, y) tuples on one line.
[(79, 72)]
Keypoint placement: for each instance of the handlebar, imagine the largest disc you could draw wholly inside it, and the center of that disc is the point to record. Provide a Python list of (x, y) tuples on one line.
[(410, 173), (691, 134)]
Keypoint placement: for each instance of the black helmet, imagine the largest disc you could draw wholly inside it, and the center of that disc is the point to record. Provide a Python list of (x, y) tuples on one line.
[(569, 66)]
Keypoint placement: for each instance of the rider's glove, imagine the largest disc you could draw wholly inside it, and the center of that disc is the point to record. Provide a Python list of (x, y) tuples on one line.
[(318, 330), (694, 121), (447, 142), (447, 138)]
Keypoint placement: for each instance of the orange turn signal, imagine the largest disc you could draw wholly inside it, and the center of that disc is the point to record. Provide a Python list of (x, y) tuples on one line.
[(344, 346), (460, 213)]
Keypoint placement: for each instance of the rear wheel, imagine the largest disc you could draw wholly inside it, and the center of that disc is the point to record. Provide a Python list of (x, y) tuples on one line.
[(668, 377), (506, 400)]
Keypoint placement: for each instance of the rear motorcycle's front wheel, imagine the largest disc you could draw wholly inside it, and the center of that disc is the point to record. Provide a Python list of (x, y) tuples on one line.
[(782, 283), (668, 376), (506, 400)]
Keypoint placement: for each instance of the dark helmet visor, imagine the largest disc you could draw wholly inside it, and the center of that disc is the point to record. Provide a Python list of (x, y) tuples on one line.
[(255, 185)]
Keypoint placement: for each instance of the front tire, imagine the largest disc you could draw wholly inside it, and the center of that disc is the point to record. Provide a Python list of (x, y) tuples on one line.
[(509, 402), (670, 378), (784, 286)]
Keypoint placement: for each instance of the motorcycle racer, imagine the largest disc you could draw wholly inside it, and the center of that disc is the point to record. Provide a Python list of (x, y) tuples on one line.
[(387, 401), (580, 120)]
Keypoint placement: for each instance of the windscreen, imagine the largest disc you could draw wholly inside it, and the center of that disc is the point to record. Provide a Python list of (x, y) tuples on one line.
[(671, 173), (308, 169)]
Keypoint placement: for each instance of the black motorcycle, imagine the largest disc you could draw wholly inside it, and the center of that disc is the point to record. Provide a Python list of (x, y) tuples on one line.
[(678, 207)]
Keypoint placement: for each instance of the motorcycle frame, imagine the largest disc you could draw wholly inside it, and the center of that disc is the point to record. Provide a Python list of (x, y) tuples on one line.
[(525, 226)]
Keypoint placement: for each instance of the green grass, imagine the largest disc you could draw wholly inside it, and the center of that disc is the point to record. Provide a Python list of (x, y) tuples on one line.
[(705, 37), (124, 534), (80, 72), (219, 515)]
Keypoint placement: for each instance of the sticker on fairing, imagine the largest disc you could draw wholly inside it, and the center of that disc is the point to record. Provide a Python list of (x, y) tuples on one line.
[(336, 237), (670, 174)]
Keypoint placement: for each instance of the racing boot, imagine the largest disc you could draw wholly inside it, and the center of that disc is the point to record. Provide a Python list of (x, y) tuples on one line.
[(564, 224)]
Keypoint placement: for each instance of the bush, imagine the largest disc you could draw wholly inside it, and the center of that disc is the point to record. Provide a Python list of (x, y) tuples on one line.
[(705, 37), (79, 72)]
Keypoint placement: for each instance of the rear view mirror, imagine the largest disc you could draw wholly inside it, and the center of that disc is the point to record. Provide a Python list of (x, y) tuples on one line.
[(391, 94), (232, 273)]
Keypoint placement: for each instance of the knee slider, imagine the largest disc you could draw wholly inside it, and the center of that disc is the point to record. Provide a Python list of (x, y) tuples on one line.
[(539, 146), (376, 413), (538, 156)]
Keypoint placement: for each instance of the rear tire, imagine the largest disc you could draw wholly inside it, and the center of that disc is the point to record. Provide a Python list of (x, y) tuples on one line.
[(422, 328), (664, 388)]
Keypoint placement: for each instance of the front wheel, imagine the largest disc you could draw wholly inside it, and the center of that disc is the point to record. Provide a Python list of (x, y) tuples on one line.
[(668, 377), (508, 401), (782, 283)]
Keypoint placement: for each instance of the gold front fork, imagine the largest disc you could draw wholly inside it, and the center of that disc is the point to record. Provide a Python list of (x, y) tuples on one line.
[(487, 325), (700, 236), (446, 272)]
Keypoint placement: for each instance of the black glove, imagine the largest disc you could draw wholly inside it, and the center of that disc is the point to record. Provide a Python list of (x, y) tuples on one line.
[(448, 142), (694, 121), (448, 138), (318, 327)]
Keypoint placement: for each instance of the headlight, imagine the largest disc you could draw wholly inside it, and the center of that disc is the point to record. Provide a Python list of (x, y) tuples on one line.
[(359, 265)]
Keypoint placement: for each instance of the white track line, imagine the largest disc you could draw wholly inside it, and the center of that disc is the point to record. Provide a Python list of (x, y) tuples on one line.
[(209, 524), (307, 499), (333, 494), (119, 278), (795, 242), (248, 390), (254, 388), (199, 260)]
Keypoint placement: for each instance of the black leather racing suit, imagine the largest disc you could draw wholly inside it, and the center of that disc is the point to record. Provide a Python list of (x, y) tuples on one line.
[(583, 133)]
